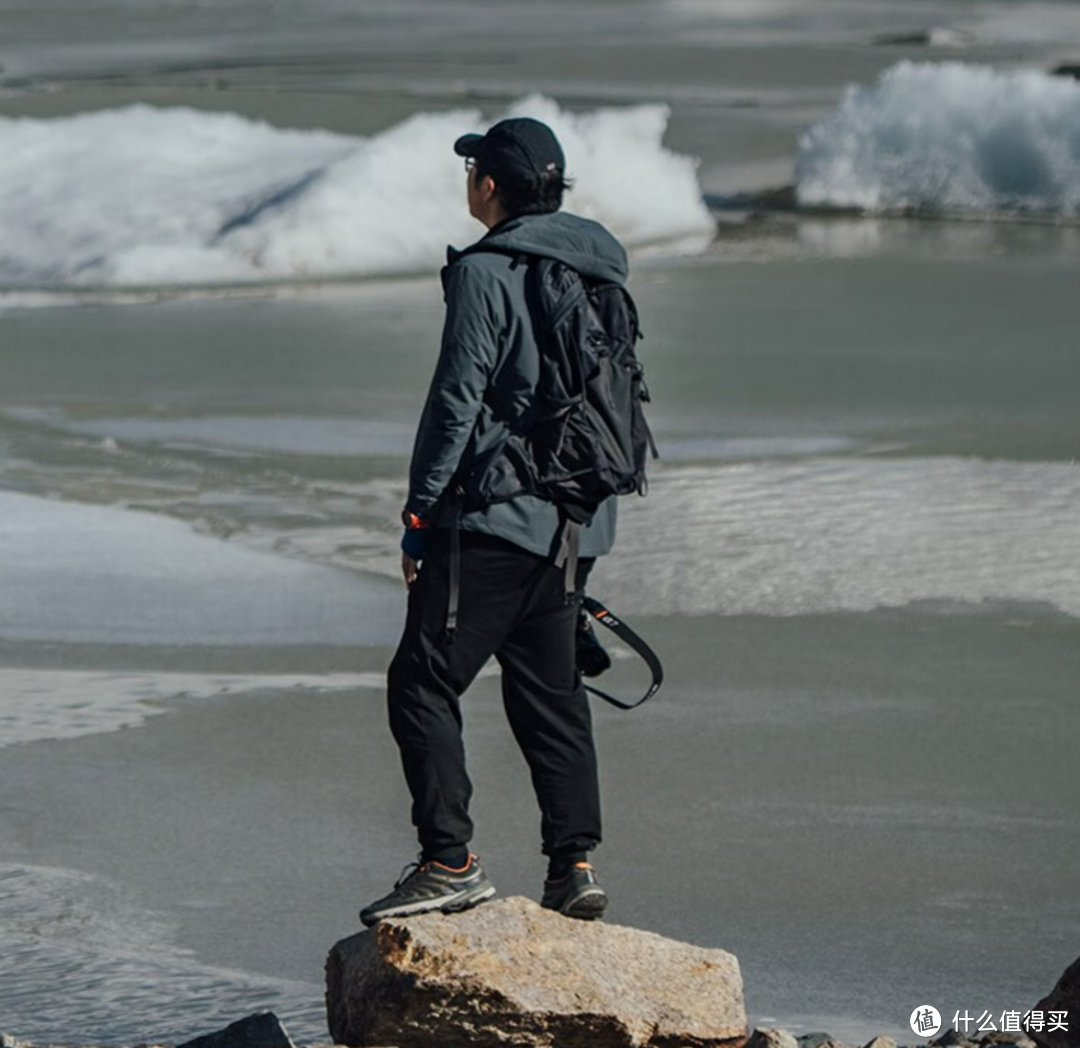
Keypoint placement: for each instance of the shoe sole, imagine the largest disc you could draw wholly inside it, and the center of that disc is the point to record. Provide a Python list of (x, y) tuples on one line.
[(451, 904), (589, 906)]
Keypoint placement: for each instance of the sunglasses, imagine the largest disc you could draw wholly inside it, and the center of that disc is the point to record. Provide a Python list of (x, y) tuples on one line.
[(470, 163)]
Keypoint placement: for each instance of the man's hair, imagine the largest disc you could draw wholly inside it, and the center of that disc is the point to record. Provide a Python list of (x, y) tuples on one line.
[(541, 197)]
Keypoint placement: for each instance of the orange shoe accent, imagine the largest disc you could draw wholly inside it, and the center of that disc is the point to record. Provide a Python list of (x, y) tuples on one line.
[(582, 865)]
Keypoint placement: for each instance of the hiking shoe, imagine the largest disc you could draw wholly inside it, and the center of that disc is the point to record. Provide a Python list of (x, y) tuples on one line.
[(578, 894), (423, 887)]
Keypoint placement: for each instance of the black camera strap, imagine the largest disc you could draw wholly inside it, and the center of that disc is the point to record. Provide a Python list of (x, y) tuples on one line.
[(602, 615)]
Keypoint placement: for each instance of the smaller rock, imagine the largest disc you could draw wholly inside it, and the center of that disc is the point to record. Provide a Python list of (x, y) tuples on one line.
[(935, 36), (881, 1042), (916, 38), (1005, 1040), (263, 1030), (771, 1037), (816, 1040), (951, 1039), (1067, 69)]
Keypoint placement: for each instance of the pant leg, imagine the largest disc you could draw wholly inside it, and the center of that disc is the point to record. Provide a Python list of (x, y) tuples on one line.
[(549, 713), (428, 675)]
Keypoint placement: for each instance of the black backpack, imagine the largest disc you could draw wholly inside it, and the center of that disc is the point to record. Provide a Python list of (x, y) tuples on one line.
[(585, 437)]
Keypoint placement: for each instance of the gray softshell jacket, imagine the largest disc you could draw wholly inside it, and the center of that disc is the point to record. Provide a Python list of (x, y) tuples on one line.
[(488, 371)]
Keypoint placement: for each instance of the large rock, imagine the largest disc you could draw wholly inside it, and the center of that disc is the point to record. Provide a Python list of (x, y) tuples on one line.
[(1065, 997), (512, 974)]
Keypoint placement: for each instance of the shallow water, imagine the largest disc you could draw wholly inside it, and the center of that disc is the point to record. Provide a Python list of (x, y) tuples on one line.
[(858, 559)]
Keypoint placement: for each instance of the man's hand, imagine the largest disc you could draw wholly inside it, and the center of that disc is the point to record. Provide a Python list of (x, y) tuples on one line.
[(408, 569)]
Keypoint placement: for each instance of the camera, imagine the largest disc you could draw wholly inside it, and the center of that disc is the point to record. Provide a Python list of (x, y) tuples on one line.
[(589, 654)]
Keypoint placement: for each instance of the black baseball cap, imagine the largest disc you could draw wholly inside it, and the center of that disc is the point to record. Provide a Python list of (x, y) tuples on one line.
[(519, 148)]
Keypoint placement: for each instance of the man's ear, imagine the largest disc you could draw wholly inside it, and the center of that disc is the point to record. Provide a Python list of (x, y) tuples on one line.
[(487, 187)]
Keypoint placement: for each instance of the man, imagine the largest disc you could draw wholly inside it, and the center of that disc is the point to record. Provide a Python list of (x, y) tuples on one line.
[(501, 592)]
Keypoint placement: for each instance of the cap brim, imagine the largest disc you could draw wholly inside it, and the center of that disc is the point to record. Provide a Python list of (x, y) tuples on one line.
[(467, 145)]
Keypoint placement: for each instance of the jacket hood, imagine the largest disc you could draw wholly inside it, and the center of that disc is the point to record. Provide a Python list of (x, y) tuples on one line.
[(578, 242)]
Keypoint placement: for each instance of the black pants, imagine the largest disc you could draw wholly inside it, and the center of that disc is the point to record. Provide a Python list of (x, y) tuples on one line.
[(512, 606)]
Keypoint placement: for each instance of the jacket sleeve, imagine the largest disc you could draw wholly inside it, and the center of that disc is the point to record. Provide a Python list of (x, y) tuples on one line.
[(467, 358)]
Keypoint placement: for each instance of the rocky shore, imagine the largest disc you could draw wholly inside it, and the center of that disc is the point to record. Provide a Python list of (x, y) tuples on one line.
[(762, 1037), (511, 975)]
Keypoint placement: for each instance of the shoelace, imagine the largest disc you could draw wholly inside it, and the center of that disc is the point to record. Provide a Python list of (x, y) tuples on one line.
[(408, 871), (413, 868)]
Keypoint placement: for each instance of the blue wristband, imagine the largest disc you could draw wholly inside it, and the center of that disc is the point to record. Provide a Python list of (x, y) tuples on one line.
[(413, 542)]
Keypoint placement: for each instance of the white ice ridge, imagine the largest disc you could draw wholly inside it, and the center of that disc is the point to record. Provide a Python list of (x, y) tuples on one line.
[(38, 704), (165, 197), (948, 137)]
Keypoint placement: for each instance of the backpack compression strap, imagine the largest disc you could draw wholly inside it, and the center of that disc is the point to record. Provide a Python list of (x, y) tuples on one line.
[(626, 634), (454, 596), (568, 555)]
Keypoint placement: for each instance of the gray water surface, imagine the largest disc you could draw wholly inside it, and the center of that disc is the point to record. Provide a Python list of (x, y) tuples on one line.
[(859, 560)]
